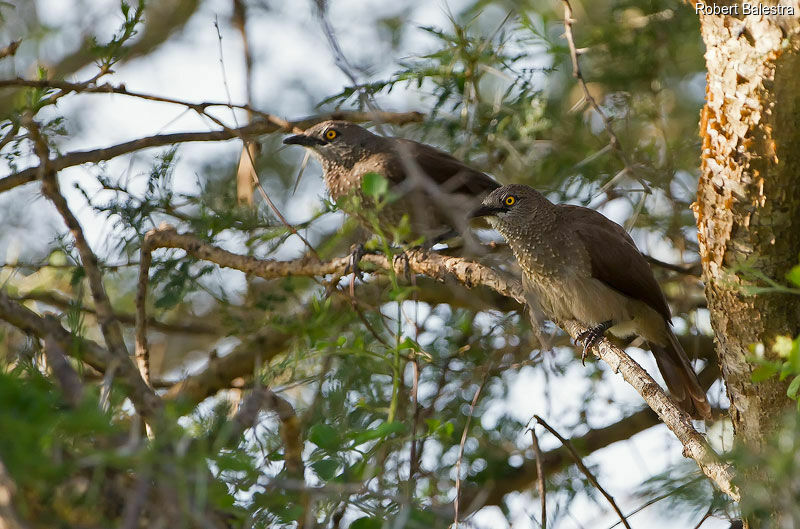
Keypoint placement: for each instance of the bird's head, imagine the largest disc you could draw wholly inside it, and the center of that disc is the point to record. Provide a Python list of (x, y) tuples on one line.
[(511, 206), (338, 142)]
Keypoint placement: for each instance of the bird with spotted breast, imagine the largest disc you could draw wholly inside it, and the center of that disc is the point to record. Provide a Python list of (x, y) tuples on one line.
[(436, 190), (578, 265)]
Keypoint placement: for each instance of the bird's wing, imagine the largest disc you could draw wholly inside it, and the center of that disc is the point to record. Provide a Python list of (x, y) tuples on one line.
[(448, 172), (614, 257)]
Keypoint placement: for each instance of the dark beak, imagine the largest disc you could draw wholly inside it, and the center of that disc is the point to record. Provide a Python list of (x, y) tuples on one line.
[(486, 211), (302, 139)]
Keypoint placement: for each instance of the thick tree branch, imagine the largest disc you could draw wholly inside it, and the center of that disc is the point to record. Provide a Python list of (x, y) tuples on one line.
[(240, 362), (678, 421), (11, 49), (443, 267)]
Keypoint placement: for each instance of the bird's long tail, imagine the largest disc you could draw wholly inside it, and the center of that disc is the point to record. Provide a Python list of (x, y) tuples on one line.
[(681, 378)]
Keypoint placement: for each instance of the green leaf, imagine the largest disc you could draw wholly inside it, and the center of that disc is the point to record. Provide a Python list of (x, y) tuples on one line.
[(794, 275), (374, 185), (794, 388), (383, 430), (366, 523), (763, 372), (325, 469), (324, 436)]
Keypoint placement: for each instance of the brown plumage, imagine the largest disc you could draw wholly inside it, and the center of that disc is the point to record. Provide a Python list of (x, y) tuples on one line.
[(436, 190), (578, 265)]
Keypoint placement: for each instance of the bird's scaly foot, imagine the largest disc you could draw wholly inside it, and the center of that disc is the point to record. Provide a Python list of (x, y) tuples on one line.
[(357, 252), (591, 336), (402, 255)]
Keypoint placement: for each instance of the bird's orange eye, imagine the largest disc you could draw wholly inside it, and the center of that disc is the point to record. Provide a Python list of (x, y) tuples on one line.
[(331, 134), (510, 200)]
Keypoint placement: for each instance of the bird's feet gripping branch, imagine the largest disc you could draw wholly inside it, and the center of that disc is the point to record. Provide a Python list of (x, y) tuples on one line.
[(591, 336), (357, 252)]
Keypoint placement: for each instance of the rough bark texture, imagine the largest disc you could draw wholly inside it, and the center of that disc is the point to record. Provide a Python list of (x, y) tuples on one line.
[(748, 200)]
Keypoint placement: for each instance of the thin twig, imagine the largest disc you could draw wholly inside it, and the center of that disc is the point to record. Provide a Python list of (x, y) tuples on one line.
[(461, 447), (142, 396), (657, 499), (142, 351), (577, 74), (250, 150), (586, 471), (62, 302), (705, 517), (540, 483)]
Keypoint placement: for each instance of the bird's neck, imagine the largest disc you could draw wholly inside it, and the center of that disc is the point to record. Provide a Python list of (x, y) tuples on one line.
[(539, 244)]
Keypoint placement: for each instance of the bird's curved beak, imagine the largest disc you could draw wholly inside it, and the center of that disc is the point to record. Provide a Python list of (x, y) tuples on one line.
[(302, 139), (486, 211)]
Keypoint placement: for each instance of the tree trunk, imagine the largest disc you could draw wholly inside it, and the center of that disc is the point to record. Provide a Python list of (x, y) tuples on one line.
[(748, 199)]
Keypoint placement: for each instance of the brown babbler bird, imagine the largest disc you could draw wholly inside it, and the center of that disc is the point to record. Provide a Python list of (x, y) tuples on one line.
[(578, 265), (436, 190)]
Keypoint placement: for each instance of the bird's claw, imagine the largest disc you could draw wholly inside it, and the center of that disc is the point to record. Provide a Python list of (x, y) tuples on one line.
[(357, 252), (590, 337), (402, 255)]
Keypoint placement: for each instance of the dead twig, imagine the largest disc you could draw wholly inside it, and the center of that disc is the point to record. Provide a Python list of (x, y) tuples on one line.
[(142, 350), (461, 447), (577, 74), (540, 483), (586, 471)]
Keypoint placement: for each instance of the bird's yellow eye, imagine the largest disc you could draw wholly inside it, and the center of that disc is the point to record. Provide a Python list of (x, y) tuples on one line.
[(510, 200), (331, 134)]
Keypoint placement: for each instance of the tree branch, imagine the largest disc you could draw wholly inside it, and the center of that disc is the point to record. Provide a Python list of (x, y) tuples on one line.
[(577, 74), (586, 471), (142, 396), (540, 483), (61, 302), (470, 274), (247, 416), (678, 421), (28, 321), (240, 362), (256, 128)]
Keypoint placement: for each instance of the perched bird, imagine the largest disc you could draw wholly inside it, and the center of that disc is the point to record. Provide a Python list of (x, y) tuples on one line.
[(578, 265), (436, 190)]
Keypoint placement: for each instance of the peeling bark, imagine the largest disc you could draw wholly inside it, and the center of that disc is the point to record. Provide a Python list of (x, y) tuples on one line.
[(748, 199)]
